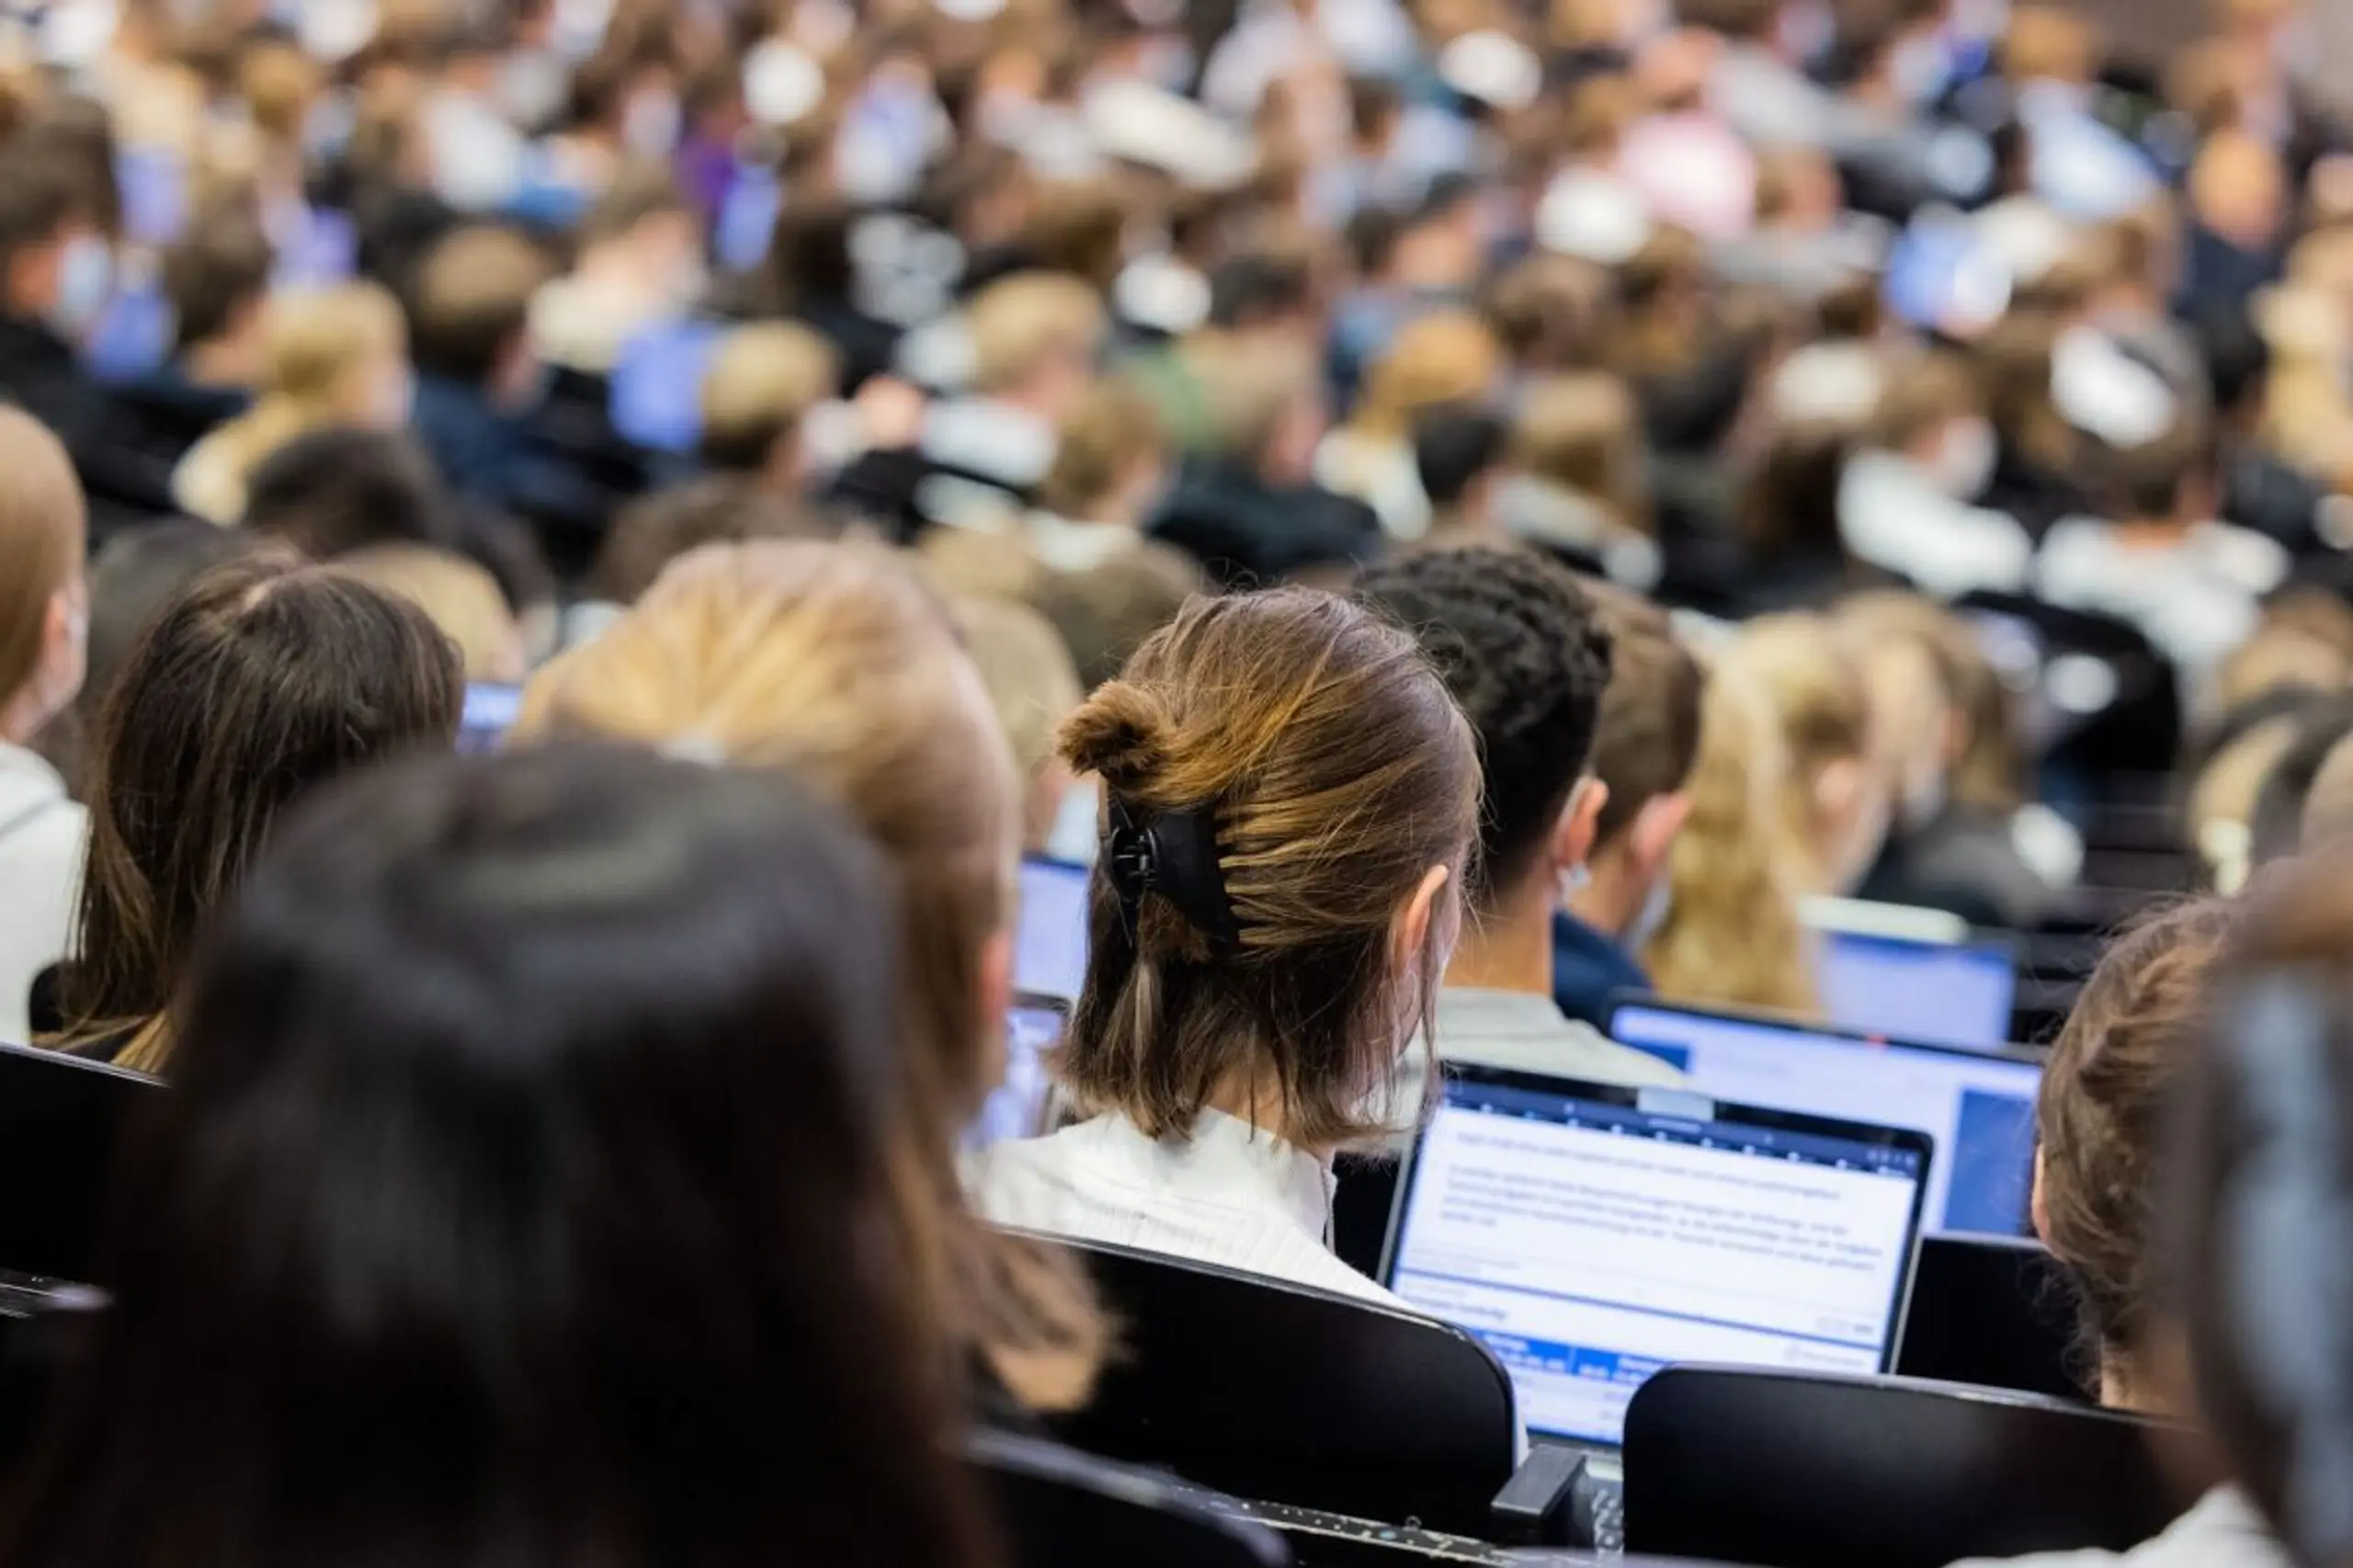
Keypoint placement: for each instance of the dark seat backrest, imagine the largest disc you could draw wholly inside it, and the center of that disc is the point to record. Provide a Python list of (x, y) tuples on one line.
[(2138, 730), (59, 1119), (1992, 1310), (1282, 1393), (1794, 1471), (1058, 1506)]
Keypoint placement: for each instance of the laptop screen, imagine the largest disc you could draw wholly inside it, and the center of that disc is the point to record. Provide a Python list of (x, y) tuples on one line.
[(1939, 992), (490, 710), (1590, 1236), (1977, 1106), (1017, 1107), (1049, 944)]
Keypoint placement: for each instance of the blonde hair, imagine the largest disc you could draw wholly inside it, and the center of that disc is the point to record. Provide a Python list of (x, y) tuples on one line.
[(1017, 323), (314, 343), (1582, 432), (1988, 773), (1732, 937), (762, 382), (461, 598), (43, 525), (1114, 427), (1445, 357), (835, 660), (1033, 686), (1813, 687)]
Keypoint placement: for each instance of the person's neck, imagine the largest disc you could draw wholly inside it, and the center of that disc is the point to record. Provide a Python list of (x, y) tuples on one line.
[(224, 362), (1510, 949), (21, 717), (2151, 533), (1257, 1100), (2123, 1386)]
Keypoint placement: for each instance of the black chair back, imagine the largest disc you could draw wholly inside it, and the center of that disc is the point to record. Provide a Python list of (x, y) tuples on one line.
[(1992, 1310), (59, 1119), (1285, 1394), (1792, 1471), (1058, 1506)]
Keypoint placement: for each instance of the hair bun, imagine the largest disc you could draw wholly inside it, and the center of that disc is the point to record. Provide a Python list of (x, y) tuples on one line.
[(1120, 734)]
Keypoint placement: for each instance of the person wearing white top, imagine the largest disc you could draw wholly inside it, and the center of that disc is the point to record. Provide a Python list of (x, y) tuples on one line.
[(1906, 500), (1290, 798), (44, 632), (2223, 1531)]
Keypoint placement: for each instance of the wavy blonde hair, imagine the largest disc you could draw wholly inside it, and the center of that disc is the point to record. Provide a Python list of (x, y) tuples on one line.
[(834, 661), (1811, 680), (1733, 937)]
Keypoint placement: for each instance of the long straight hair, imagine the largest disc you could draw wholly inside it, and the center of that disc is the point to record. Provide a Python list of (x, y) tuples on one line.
[(261, 681), (521, 1202)]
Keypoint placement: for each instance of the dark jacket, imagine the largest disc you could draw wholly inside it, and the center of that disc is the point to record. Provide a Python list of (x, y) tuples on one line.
[(496, 458), (1963, 862), (39, 373), (1589, 968), (173, 414), (1245, 532)]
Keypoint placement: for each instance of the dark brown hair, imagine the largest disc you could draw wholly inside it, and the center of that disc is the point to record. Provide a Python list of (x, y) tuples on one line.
[(473, 300), (1333, 770), (2101, 1115), (2262, 1172), (219, 267), (263, 680), (652, 531)]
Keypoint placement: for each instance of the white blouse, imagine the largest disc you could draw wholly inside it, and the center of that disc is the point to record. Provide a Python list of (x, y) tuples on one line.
[(2223, 1531), (41, 832), (1231, 1195)]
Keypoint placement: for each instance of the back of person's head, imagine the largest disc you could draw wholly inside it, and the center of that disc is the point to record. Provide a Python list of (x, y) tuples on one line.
[(1731, 934), (1923, 399), (762, 382), (489, 1182), (836, 662), (2099, 1130), (641, 192), (1582, 432), (218, 273), (1787, 504), (1079, 227), (1033, 688), (138, 572), (1029, 326), (1104, 612), (472, 301), (1547, 312), (1261, 287), (1522, 650), (2276, 831), (1266, 407), (1444, 356), (2255, 1205), (2045, 43), (316, 340), (2170, 479), (1833, 794), (461, 598), (44, 607), (1455, 446), (1647, 734), (1978, 756), (1111, 458), (808, 257), (261, 681), (38, 203), (1293, 799), (336, 490), (652, 531)]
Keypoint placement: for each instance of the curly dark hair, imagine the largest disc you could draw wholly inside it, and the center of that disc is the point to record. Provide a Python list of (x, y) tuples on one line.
[(1523, 650)]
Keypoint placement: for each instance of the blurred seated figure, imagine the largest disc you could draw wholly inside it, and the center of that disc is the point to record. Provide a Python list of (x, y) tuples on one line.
[(1111, 467), (216, 280), (490, 1183), (1907, 503), (762, 385), (329, 356), (262, 680)]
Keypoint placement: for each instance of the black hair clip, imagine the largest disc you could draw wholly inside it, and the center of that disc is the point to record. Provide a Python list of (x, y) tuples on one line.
[(1174, 855)]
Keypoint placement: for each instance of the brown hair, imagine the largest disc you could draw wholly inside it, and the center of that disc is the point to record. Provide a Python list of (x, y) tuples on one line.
[(762, 382), (1018, 324), (461, 597), (2104, 1089), (1106, 612), (1988, 774), (474, 301), (1321, 751), (835, 660), (1547, 309), (261, 681), (1114, 427), (1923, 396), (218, 268), (1582, 432), (1647, 738), (43, 521), (1078, 227), (1814, 686), (1445, 357)]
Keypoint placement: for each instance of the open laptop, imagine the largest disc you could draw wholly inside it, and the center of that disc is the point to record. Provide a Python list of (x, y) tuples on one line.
[(60, 1119), (1977, 1106), (1941, 993), (1050, 941), (1590, 1235)]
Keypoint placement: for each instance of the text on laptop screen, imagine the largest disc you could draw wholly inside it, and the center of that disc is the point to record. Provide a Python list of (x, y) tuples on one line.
[(1942, 994), (1978, 1108), (1049, 946), (1589, 1244)]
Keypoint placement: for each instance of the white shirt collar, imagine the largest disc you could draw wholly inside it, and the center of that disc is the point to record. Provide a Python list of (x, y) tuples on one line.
[(1231, 1159)]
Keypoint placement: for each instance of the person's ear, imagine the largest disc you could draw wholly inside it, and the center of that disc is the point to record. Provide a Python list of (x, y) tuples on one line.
[(1651, 835), (1839, 788), (65, 646), (1579, 825), (2037, 1204), (1959, 733), (1411, 932)]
